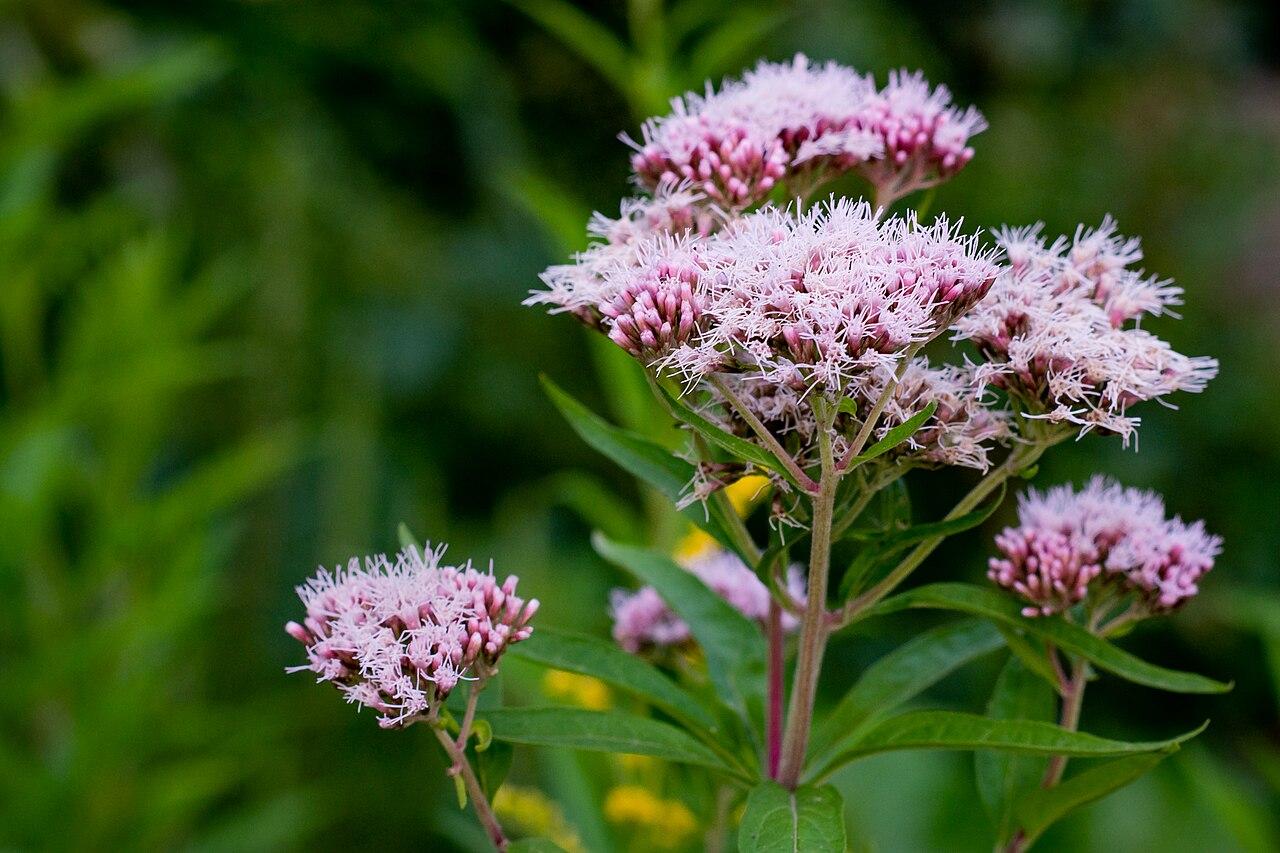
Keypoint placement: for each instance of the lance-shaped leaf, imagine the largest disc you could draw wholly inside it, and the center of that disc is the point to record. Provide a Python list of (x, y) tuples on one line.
[(642, 458), (902, 675), (1005, 777), (734, 646), (895, 436), (741, 448), (998, 607), (809, 819), (607, 662), (956, 730), (1040, 808), (602, 731)]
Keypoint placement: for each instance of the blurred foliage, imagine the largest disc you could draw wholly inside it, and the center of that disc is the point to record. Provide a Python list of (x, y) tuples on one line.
[(260, 274)]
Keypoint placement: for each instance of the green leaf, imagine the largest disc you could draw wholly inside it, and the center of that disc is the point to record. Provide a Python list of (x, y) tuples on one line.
[(901, 675), (1040, 808), (733, 645), (534, 845), (584, 35), (605, 661), (902, 539), (644, 459), (739, 447), (1031, 652), (809, 819), (406, 537), (956, 730), (492, 764), (602, 731), (1004, 777), (1002, 608), (895, 436)]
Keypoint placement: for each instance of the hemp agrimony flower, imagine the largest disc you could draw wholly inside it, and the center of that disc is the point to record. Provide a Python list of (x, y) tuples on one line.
[(1102, 540), (398, 637), (1054, 331)]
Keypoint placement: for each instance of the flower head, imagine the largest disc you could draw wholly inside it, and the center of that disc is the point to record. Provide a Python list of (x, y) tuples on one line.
[(1055, 331), (581, 288), (1070, 544), (925, 140), (397, 637), (781, 120), (821, 297), (642, 620)]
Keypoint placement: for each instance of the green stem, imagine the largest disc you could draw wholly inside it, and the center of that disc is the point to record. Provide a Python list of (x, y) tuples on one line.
[(1019, 459), (813, 629), (803, 480), (484, 811), (869, 422)]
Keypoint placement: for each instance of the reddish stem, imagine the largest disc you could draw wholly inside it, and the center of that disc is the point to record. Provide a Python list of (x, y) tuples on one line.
[(777, 663)]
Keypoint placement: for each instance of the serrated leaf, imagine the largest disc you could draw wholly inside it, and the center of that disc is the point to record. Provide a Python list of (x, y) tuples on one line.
[(809, 819), (896, 436), (734, 646), (605, 661), (642, 458), (956, 730), (999, 607), (1003, 777), (902, 675), (1040, 808), (602, 731), (741, 448)]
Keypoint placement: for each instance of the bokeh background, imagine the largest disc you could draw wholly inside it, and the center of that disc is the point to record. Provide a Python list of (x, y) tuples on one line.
[(260, 274)]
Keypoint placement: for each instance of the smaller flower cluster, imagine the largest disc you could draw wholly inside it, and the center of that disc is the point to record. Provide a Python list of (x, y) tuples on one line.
[(581, 287), (642, 620), (397, 637), (778, 121), (1103, 538), (963, 429), (1054, 330), (925, 139), (801, 122)]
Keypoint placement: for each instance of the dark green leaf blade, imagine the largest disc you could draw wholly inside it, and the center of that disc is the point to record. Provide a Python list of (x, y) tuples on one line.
[(534, 845), (1041, 808), (994, 605), (1004, 777), (734, 646), (605, 661), (642, 458), (739, 447), (903, 674), (957, 730), (899, 539), (896, 436), (809, 819), (601, 731)]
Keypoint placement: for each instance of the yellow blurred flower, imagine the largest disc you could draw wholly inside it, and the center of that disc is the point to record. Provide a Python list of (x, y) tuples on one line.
[(581, 690), (743, 495), (668, 823), (537, 815)]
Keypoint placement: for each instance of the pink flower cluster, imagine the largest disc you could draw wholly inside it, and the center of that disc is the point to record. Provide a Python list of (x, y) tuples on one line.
[(802, 122), (581, 287), (925, 140), (1104, 538), (1055, 330), (642, 620), (397, 637), (818, 298)]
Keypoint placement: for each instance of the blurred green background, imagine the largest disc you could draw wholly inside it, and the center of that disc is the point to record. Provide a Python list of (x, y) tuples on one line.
[(260, 274)]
